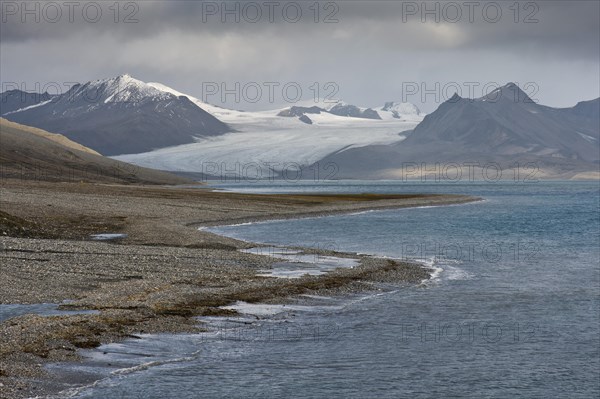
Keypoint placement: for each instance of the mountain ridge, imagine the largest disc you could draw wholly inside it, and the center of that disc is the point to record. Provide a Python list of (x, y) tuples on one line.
[(505, 128), (504, 125), (121, 115)]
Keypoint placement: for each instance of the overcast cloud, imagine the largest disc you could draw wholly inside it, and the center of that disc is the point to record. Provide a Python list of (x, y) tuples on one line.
[(373, 53)]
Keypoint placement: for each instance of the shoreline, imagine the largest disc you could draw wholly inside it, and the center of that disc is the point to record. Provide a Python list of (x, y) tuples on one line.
[(202, 226), (253, 220), (128, 282)]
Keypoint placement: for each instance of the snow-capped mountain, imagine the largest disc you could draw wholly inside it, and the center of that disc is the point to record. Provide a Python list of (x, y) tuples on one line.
[(121, 115), (121, 89), (223, 114), (407, 111)]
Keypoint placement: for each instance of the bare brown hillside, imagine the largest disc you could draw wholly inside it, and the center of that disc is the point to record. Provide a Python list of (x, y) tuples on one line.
[(33, 154)]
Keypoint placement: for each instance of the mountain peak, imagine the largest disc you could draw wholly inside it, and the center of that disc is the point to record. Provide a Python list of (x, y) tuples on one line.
[(122, 115), (513, 87), (455, 98), (509, 92), (119, 89), (125, 77)]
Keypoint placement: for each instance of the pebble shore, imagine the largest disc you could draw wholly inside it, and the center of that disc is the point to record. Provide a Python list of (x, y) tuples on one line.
[(161, 276)]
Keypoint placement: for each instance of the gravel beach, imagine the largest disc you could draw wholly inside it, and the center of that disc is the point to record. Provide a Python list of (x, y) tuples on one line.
[(157, 278)]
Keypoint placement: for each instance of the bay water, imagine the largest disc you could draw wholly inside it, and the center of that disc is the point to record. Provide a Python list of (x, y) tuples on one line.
[(513, 309)]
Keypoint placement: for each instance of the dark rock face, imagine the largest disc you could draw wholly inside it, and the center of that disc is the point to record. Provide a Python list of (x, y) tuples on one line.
[(339, 110), (346, 110), (504, 127), (13, 100), (306, 119), (508, 122), (387, 106), (122, 116), (299, 111), (370, 114), (354, 111)]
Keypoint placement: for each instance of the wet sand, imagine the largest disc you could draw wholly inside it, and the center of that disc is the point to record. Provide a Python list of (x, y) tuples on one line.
[(158, 278)]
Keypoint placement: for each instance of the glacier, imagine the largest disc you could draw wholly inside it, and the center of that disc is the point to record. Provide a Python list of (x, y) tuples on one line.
[(263, 137)]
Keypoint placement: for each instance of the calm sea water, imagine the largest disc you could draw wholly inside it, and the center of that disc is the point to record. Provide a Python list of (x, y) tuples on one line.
[(513, 311)]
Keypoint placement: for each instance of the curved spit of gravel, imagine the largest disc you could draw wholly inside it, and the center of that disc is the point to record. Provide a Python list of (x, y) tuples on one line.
[(160, 277)]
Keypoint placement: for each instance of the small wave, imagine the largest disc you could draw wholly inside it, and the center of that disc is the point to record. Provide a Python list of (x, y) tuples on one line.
[(320, 297), (430, 264), (259, 309), (456, 273), (362, 212), (147, 365), (108, 236), (370, 296), (443, 270), (74, 392), (427, 262), (436, 273)]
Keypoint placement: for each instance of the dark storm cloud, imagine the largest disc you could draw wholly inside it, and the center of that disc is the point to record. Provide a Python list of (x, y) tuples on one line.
[(369, 48), (573, 24)]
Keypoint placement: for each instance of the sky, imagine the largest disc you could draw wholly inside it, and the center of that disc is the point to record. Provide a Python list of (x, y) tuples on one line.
[(271, 54)]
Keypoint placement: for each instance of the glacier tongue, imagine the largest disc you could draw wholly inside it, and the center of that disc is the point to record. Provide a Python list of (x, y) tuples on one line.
[(268, 141)]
